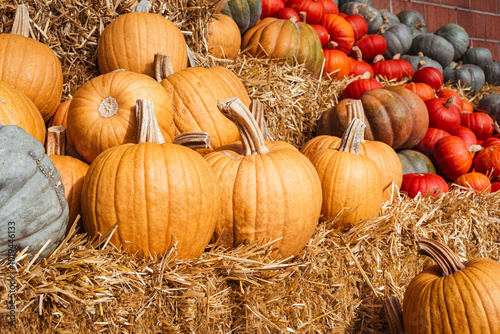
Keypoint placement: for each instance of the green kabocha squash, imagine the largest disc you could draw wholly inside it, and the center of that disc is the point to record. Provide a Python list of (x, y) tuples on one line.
[(469, 75), (415, 60), (33, 208), (457, 36), (477, 56), (342, 2), (492, 73), (490, 104), (246, 13), (398, 40), (413, 19), (415, 162), (370, 14), (389, 19), (434, 47)]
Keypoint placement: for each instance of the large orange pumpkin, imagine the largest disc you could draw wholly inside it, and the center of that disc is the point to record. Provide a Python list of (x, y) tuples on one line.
[(194, 93), (284, 39), (270, 191), (17, 109), (102, 112), (131, 41), (160, 194), (393, 115), (31, 66), (351, 183)]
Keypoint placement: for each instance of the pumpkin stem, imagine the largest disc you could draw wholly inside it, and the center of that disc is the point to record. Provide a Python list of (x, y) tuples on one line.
[(420, 25), (474, 148), (257, 110), (383, 28), (56, 140), (447, 260), (331, 45), (397, 56), (149, 130), (193, 140), (385, 19), (496, 127), (163, 66), (21, 25), (219, 5), (394, 315), (108, 107), (252, 138), (378, 58), (420, 54), (354, 110), (421, 64), (357, 53), (142, 7), (458, 65), (303, 16), (449, 102), (352, 137)]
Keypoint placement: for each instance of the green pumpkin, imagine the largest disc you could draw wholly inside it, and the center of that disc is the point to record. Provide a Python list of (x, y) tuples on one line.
[(415, 162), (434, 47), (389, 19), (469, 76), (342, 2), (370, 14), (490, 103), (246, 13), (457, 36), (477, 56), (398, 40), (492, 73), (414, 20), (414, 60), (33, 208)]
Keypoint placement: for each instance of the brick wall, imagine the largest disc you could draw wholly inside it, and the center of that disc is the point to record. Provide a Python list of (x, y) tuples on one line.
[(480, 18)]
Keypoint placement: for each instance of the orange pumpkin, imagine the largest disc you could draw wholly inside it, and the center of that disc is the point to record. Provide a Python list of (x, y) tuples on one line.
[(17, 109), (223, 37), (102, 112), (474, 180), (160, 194), (261, 198), (31, 66), (60, 117)]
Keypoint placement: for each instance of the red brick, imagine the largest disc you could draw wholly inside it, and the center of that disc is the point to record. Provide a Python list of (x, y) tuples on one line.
[(484, 5), (492, 46), (492, 24), (382, 4), (459, 3), (439, 16), (472, 22), (400, 5)]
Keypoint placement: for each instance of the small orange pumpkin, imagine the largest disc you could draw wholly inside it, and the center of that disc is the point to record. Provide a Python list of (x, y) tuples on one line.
[(223, 37)]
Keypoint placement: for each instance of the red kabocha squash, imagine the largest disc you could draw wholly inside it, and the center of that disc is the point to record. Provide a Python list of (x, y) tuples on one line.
[(490, 142), (394, 115), (270, 8), (302, 44), (495, 186), (391, 69), (322, 34), (357, 88), (452, 157), (423, 184), (287, 13), (168, 194), (447, 93), (479, 122), (443, 114), (468, 291), (429, 75), (405, 66), (371, 45), (261, 198), (357, 65), (487, 161), (351, 183), (71, 169), (421, 89), (223, 37), (474, 180), (358, 24), (340, 32), (31, 67), (431, 137), (314, 9), (467, 135), (336, 64), (17, 109)]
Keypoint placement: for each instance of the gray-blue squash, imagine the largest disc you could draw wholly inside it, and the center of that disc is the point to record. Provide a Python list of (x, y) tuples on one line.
[(457, 36), (469, 75), (434, 47), (32, 201)]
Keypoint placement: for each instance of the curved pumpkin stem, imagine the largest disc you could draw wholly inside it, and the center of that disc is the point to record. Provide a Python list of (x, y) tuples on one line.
[(148, 128), (378, 58), (394, 315), (449, 102), (496, 127), (163, 66), (193, 140), (252, 138), (219, 5), (331, 45), (143, 6), (447, 260), (421, 64), (354, 110), (21, 25), (357, 53), (352, 137), (56, 140)]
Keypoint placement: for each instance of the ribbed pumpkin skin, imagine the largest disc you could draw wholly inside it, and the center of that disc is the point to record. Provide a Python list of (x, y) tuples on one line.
[(157, 192), (398, 40), (433, 46), (382, 154), (340, 31), (92, 133), (33, 68), (437, 304), (131, 41), (265, 197), (415, 162), (490, 103), (18, 109), (452, 157), (474, 180), (431, 137), (488, 161), (283, 39), (423, 183), (223, 37), (245, 13), (357, 88), (348, 181), (423, 90), (72, 174), (336, 64), (31, 194), (194, 93), (457, 36)]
